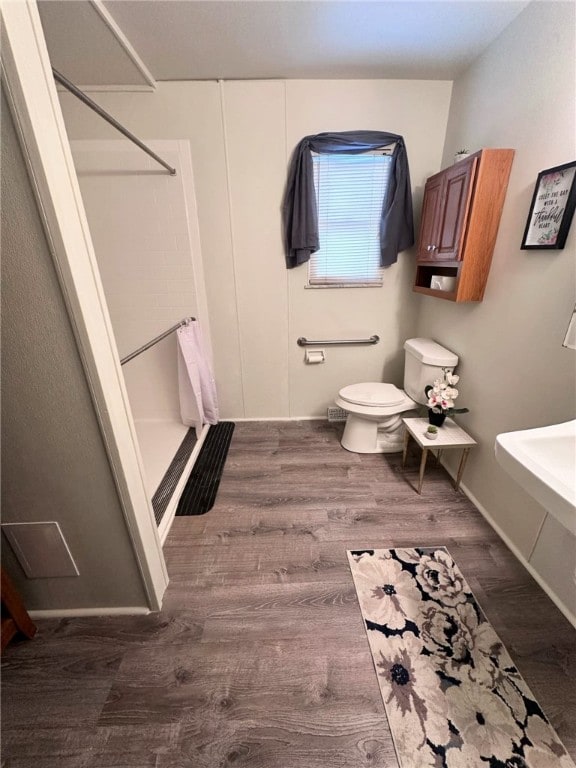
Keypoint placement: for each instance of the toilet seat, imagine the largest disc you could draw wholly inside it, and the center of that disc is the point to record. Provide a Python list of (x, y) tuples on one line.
[(373, 394), (375, 410), (374, 421)]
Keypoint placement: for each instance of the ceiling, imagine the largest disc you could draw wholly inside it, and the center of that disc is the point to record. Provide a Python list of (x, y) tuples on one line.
[(255, 39)]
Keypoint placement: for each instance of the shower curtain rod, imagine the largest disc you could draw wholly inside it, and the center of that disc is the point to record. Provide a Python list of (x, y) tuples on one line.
[(109, 119), (156, 340)]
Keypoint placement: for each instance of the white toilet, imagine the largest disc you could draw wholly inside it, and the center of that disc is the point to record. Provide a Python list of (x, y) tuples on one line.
[(375, 411)]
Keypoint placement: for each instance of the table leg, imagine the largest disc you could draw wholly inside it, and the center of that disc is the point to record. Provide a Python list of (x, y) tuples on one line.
[(422, 468), (461, 466), (405, 452)]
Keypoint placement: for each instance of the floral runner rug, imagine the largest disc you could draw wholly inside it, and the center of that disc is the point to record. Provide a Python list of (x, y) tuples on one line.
[(453, 697)]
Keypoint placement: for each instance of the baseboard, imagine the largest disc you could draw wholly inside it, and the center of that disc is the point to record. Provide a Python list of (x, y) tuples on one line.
[(278, 418), (66, 613), (518, 555)]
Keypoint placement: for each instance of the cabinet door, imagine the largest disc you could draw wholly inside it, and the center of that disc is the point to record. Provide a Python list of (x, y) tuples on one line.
[(456, 193), (430, 218)]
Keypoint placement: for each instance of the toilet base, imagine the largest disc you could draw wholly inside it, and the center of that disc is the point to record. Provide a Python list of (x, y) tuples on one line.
[(365, 435)]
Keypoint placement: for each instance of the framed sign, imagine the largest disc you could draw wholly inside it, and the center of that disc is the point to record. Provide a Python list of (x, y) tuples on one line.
[(552, 208)]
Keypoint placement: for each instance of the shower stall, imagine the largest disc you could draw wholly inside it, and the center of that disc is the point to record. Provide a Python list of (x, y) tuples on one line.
[(144, 228)]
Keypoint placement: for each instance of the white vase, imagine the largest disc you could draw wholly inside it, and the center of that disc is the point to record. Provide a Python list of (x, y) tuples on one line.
[(461, 156), (431, 435)]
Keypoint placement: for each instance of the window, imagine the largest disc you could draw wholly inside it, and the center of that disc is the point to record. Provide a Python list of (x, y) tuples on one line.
[(350, 192)]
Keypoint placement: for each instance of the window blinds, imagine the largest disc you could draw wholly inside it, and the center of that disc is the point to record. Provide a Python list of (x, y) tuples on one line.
[(350, 192)]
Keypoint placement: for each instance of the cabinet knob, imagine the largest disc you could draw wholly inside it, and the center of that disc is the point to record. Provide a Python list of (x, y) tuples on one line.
[(432, 247)]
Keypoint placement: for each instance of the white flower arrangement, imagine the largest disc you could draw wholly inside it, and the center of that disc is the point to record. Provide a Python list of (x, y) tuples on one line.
[(442, 393)]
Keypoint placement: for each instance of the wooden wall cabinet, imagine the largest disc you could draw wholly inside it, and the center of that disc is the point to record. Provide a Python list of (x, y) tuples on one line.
[(460, 218)]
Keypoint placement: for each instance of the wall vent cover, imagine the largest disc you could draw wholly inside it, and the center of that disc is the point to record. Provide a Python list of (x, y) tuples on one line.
[(41, 549), (336, 414)]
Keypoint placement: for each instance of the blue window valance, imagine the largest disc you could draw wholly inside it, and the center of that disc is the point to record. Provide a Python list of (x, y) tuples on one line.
[(299, 212)]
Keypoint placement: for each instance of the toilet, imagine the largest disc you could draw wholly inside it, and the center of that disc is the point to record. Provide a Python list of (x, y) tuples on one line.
[(375, 410)]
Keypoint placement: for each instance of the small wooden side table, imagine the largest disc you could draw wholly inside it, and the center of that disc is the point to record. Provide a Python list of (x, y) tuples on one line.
[(450, 435)]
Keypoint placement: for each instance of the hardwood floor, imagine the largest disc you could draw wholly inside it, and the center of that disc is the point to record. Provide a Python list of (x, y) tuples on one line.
[(259, 657)]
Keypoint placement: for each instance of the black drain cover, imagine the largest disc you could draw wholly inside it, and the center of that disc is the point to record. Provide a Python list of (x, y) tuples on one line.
[(200, 491)]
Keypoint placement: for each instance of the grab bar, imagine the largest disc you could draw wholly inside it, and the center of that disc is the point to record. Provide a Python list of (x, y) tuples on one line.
[(151, 343), (304, 342)]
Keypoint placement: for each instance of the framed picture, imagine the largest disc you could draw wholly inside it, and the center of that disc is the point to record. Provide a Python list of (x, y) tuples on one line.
[(552, 208)]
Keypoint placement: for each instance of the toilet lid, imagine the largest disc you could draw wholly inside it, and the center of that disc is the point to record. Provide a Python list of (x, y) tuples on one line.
[(372, 393)]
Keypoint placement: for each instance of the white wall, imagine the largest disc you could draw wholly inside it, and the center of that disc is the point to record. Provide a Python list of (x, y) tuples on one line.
[(242, 134), (515, 373), (417, 111), (144, 227)]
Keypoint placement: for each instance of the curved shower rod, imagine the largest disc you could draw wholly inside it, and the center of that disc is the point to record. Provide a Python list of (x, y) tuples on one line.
[(151, 343), (109, 119)]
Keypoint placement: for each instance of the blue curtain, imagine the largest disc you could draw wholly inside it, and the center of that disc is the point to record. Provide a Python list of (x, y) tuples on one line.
[(299, 214)]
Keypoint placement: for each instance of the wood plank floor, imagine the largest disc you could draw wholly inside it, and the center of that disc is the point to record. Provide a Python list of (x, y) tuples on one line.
[(259, 657)]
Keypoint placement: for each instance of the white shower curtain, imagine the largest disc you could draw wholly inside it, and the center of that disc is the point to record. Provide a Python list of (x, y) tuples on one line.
[(198, 398)]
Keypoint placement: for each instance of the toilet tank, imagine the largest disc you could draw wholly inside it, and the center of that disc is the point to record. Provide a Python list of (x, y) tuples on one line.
[(424, 360)]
